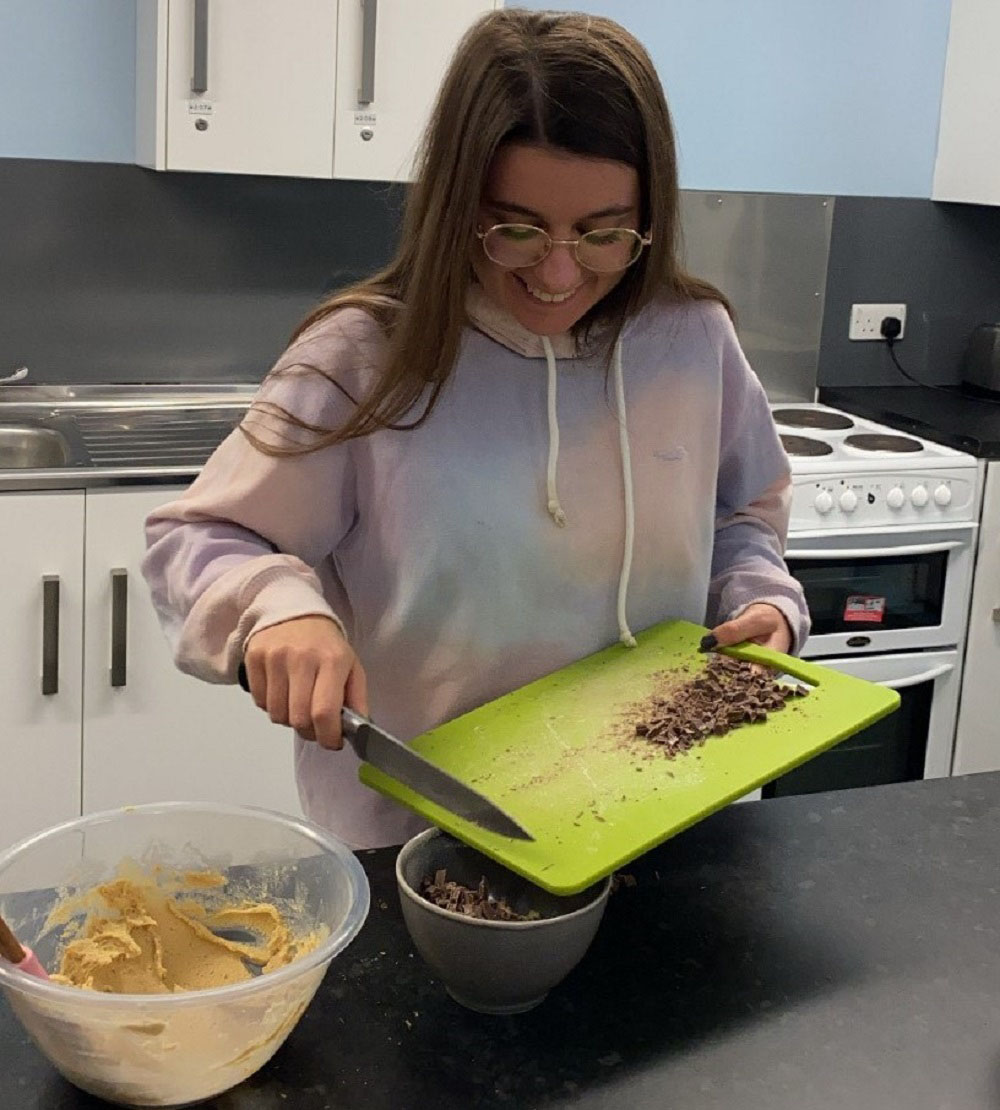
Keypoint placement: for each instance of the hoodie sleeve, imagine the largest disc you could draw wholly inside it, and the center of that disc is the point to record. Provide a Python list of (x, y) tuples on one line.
[(237, 552), (753, 500)]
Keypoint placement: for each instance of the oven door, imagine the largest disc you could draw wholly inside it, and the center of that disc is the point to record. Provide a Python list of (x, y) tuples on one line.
[(870, 590), (914, 742)]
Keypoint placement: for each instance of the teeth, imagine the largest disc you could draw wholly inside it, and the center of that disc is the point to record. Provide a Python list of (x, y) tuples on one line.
[(549, 298)]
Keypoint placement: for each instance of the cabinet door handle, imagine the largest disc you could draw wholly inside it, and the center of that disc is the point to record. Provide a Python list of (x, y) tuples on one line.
[(119, 625), (199, 73), (369, 15), (50, 634)]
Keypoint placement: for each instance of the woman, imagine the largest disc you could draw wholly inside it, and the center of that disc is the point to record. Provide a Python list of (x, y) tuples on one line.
[(528, 435)]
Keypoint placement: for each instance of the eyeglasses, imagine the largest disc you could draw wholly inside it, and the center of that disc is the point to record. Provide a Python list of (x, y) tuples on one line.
[(604, 250)]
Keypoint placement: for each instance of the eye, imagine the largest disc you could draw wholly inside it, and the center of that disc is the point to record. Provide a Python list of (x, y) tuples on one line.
[(516, 233), (606, 237)]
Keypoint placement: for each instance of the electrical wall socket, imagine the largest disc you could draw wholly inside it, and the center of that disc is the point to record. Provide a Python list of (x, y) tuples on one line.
[(866, 320)]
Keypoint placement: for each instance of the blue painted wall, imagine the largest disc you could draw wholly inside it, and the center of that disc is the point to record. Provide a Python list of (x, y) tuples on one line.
[(67, 79), (829, 96), (801, 96)]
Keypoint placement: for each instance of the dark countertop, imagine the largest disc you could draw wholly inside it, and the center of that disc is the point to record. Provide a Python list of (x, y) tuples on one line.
[(956, 418), (806, 953)]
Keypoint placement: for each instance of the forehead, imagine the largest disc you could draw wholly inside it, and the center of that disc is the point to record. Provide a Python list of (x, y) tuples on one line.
[(558, 185)]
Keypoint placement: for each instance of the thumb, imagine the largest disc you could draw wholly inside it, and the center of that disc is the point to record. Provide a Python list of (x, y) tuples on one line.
[(760, 623), (736, 631)]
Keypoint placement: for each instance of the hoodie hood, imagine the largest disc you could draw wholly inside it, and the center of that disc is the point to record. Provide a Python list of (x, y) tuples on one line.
[(489, 318)]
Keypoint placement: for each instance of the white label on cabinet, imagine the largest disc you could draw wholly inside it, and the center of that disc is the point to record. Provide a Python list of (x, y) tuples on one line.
[(199, 107), (364, 119)]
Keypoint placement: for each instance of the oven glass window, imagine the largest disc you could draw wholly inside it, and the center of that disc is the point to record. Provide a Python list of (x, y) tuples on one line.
[(891, 750), (865, 595)]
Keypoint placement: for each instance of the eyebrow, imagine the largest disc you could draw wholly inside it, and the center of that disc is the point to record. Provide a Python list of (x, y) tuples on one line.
[(612, 210)]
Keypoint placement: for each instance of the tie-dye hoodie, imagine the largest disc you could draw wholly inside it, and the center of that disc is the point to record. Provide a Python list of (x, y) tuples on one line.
[(548, 506)]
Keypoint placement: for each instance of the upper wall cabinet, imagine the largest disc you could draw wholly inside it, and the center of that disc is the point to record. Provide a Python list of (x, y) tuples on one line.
[(300, 88), (968, 153)]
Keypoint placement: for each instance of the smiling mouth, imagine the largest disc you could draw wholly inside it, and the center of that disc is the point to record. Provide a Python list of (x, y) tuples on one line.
[(542, 296)]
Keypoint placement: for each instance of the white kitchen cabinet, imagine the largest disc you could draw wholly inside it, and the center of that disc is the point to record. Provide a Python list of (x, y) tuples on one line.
[(412, 45), (93, 712), (301, 88), (238, 86), (40, 729), (977, 741), (968, 152), (152, 733)]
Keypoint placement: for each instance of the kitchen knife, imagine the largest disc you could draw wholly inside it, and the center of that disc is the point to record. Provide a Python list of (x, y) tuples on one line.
[(394, 758)]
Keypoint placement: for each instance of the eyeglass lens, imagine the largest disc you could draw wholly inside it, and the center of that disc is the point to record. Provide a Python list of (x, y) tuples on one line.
[(519, 245)]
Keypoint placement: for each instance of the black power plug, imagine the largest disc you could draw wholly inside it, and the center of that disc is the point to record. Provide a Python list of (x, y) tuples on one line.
[(890, 328)]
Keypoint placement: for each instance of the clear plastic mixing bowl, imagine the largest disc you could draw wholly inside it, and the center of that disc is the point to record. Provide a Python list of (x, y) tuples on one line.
[(176, 1049)]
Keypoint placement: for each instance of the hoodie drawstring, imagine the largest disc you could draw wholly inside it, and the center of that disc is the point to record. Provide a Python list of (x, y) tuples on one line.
[(552, 497), (552, 503), (625, 633)]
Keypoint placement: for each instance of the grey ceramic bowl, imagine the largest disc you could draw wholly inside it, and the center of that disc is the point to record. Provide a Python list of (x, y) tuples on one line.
[(495, 967)]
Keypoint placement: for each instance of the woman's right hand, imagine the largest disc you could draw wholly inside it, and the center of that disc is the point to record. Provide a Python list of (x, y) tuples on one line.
[(301, 673)]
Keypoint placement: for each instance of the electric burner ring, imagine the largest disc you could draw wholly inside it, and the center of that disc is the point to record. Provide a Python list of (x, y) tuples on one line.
[(879, 441), (805, 446), (813, 418)]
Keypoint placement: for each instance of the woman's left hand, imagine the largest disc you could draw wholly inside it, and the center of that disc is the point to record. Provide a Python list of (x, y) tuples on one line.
[(759, 623)]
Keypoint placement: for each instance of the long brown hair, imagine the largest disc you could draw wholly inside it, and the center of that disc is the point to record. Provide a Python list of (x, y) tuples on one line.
[(578, 83)]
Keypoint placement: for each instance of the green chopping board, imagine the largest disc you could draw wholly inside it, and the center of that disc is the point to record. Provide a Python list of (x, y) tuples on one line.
[(560, 758)]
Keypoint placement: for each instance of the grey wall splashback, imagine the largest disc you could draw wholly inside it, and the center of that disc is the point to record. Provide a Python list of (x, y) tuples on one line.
[(941, 260), (112, 273)]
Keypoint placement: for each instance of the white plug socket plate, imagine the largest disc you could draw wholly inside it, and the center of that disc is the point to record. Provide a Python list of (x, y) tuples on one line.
[(866, 320)]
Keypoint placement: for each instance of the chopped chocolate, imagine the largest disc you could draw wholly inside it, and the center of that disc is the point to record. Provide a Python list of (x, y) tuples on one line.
[(470, 901), (726, 694)]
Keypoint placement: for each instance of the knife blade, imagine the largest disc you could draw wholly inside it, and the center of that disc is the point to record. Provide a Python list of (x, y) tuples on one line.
[(395, 758), (391, 756)]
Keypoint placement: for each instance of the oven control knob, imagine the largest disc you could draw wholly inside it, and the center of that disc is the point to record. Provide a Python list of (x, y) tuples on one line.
[(919, 496), (824, 501), (895, 498), (848, 501), (942, 495)]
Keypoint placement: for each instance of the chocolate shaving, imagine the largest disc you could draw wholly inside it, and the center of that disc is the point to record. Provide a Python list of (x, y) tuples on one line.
[(726, 694), (470, 901)]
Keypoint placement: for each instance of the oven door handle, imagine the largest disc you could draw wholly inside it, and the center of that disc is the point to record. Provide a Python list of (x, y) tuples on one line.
[(874, 552), (917, 679)]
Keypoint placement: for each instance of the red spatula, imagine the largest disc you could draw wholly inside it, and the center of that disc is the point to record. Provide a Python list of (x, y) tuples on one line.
[(23, 958)]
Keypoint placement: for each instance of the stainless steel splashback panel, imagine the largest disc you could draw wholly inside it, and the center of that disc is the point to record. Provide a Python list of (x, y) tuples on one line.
[(768, 253)]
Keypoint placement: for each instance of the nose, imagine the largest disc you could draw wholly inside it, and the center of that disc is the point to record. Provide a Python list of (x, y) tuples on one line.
[(558, 270)]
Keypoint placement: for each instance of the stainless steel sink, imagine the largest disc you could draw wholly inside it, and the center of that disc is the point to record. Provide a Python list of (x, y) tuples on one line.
[(30, 447), (73, 437)]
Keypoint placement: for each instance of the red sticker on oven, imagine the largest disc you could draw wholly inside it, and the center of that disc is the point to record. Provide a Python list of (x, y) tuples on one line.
[(864, 609)]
